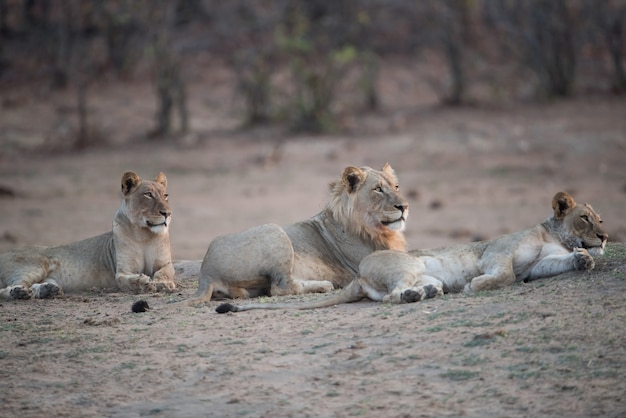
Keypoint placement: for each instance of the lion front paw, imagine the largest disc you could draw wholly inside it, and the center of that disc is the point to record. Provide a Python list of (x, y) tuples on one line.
[(142, 284), (428, 291), (20, 292), (412, 295), (432, 291), (312, 286), (146, 285), (583, 260), (165, 286), (46, 290)]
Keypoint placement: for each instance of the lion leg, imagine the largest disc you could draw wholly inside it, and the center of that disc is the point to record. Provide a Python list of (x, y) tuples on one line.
[(48, 289), (19, 277), (497, 272), (137, 283), (315, 286), (203, 294), (427, 287), (164, 278), (551, 265), (489, 282), (406, 284), (283, 283), (15, 292)]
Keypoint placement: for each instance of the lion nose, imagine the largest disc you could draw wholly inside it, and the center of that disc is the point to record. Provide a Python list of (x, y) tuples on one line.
[(166, 213), (604, 236), (402, 208)]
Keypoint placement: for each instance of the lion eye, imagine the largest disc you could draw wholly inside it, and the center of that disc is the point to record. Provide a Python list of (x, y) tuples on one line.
[(166, 196), (585, 218), (378, 189), (397, 187), (148, 195)]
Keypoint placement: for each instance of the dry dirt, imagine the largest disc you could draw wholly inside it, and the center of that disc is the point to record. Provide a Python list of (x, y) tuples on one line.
[(554, 348)]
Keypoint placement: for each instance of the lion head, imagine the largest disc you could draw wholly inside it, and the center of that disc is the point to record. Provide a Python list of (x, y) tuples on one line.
[(145, 202), (368, 203), (577, 226)]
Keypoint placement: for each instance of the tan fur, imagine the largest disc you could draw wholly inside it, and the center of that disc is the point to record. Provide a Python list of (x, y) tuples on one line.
[(365, 213), (135, 256), (566, 241)]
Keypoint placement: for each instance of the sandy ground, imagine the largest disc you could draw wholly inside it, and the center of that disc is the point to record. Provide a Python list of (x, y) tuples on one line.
[(552, 348)]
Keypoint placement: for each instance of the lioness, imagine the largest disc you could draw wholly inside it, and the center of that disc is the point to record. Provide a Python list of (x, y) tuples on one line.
[(565, 241), (135, 256), (365, 213)]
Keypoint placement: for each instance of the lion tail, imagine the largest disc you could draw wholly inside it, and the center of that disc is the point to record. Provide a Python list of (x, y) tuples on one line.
[(351, 293)]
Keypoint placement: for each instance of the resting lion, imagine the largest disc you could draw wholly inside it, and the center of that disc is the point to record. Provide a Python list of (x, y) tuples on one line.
[(566, 241), (135, 256), (365, 213)]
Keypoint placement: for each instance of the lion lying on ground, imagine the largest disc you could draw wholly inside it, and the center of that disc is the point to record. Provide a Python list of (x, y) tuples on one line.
[(365, 213), (566, 241), (135, 256)]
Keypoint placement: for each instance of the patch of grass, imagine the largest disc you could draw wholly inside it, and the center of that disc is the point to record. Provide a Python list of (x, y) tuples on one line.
[(128, 365), (139, 329), (235, 342), (477, 342), (460, 375), (75, 353), (436, 328), (461, 323), (99, 349), (318, 346), (473, 360), (182, 348), (11, 326), (434, 316), (383, 314), (515, 319), (523, 372), (606, 373), (615, 252), (306, 331)]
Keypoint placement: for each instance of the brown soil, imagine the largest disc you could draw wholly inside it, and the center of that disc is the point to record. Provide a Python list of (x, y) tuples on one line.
[(556, 347)]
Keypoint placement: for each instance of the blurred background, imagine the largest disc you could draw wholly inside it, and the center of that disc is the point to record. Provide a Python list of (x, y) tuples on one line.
[(486, 106)]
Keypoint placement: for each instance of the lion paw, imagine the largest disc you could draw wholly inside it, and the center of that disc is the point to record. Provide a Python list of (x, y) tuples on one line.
[(431, 291), (144, 284), (46, 290), (148, 287), (313, 286), (20, 292), (412, 295), (583, 260), (165, 286)]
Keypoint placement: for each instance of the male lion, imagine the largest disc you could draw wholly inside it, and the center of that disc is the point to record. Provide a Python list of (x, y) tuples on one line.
[(135, 256), (365, 213), (565, 241)]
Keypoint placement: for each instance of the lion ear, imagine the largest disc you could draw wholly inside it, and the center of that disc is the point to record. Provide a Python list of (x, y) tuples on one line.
[(130, 181), (387, 169), (161, 179), (352, 177), (390, 172), (562, 204)]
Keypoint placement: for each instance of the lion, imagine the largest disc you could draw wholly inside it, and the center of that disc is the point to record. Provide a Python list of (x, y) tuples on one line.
[(134, 256), (568, 240), (366, 213)]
